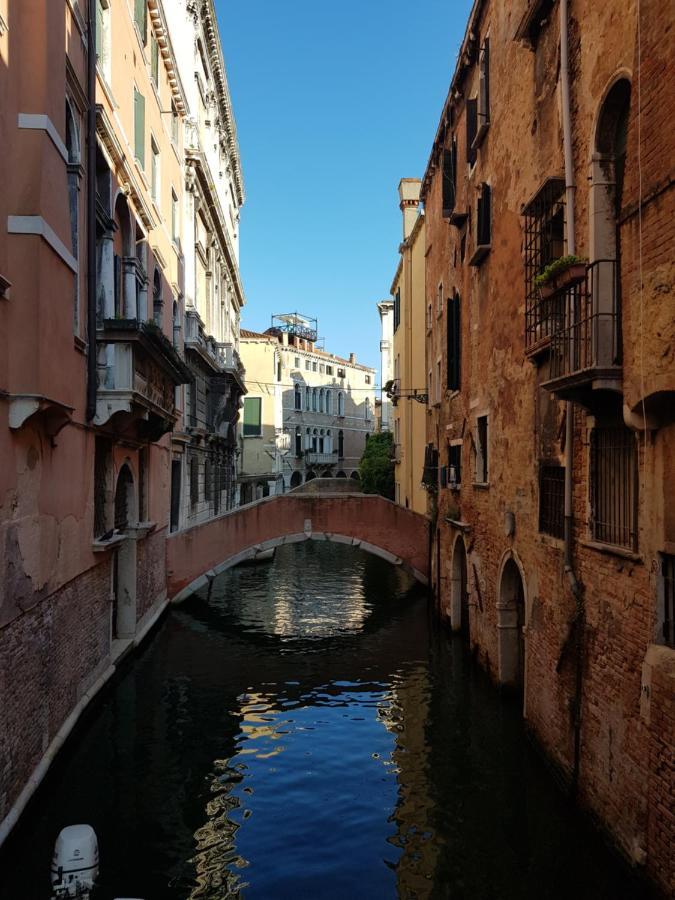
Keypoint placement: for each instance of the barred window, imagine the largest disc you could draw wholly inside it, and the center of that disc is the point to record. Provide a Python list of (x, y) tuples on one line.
[(667, 604), (614, 486), (552, 499)]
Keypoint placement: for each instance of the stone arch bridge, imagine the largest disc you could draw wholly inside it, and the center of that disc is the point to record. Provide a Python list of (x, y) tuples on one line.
[(367, 521)]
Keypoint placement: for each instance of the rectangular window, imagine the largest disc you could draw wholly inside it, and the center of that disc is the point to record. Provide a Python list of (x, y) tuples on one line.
[(471, 130), (483, 225), (454, 347), (139, 127), (449, 179), (552, 499), (482, 450), (438, 382), (667, 601), (155, 182), (341, 373), (367, 379), (175, 236), (454, 465), (483, 91), (329, 370), (322, 369), (154, 60), (175, 122), (544, 241), (397, 310), (308, 365), (252, 416), (141, 18), (614, 486), (314, 367), (439, 300), (297, 362)]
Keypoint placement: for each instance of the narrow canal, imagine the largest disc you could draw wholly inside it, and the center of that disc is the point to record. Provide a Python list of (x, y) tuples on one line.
[(304, 733)]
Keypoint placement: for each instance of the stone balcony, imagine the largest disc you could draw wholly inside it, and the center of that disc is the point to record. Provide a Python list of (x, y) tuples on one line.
[(312, 458), (138, 372), (221, 358)]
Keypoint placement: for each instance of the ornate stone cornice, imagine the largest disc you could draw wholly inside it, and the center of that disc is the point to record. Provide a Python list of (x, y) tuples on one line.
[(161, 30), (224, 101)]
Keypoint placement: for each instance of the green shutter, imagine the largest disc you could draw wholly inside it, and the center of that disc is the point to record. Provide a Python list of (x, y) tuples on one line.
[(252, 415), (139, 127), (141, 16), (154, 59), (99, 28)]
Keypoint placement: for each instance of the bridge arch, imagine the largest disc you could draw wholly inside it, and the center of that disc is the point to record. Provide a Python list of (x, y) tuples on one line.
[(368, 521)]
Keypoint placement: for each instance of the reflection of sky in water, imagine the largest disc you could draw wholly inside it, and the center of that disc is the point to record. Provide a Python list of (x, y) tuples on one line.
[(300, 757)]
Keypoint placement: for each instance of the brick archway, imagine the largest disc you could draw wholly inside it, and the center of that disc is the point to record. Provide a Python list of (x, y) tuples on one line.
[(367, 521)]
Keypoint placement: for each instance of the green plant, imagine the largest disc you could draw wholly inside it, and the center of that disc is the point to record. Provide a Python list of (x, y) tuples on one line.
[(376, 469), (557, 266)]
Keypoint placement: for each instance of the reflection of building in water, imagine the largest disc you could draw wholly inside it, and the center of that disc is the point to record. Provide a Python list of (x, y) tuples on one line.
[(406, 718)]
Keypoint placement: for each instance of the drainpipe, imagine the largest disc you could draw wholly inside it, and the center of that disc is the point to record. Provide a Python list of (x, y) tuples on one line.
[(575, 586), (91, 213)]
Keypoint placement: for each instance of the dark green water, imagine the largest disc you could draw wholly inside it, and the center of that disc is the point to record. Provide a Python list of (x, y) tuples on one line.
[(305, 733)]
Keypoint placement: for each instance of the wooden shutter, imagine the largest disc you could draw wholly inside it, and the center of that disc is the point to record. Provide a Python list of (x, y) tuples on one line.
[(454, 345), (484, 237), (252, 415), (139, 127), (448, 182), (141, 17), (471, 129), (484, 84), (154, 59)]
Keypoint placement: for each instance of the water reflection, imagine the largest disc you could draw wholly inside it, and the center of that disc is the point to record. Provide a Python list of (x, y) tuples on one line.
[(300, 732)]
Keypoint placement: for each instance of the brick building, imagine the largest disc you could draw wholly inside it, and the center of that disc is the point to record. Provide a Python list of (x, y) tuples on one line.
[(552, 404)]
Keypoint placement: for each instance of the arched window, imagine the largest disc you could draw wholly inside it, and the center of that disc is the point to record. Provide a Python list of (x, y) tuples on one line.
[(341, 444), (321, 400), (329, 402), (73, 170), (194, 481), (157, 302), (315, 440), (298, 441), (308, 398), (314, 399), (208, 492), (298, 396), (341, 404), (308, 439)]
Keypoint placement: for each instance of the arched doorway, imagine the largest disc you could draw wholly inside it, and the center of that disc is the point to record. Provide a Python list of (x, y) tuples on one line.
[(296, 479), (510, 623), (123, 624), (341, 474), (459, 598)]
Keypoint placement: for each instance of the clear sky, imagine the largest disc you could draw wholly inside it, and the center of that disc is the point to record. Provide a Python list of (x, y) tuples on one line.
[(335, 102)]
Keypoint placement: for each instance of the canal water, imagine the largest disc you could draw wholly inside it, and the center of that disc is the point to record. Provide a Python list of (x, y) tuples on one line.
[(302, 732)]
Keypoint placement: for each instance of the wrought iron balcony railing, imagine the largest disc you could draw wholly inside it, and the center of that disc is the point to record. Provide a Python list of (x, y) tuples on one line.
[(585, 350)]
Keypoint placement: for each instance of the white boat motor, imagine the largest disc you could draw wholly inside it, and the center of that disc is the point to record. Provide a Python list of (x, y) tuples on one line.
[(75, 862)]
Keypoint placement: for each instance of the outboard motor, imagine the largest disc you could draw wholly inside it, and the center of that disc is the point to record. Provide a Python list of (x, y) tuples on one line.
[(75, 862)]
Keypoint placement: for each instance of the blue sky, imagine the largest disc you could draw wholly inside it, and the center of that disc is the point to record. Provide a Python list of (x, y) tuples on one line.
[(335, 103)]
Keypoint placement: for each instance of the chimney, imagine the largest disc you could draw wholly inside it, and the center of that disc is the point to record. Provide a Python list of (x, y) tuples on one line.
[(284, 338), (352, 358), (409, 192)]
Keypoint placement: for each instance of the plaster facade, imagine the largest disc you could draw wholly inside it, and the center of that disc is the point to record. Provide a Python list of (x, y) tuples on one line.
[(410, 378), (585, 640)]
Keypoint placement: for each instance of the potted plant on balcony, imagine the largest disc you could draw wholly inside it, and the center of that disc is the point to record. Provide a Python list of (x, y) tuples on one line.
[(560, 274)]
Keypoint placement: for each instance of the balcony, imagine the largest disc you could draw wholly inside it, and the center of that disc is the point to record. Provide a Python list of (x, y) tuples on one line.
[(221, 358), (138, 371), (312, 458), (585, 335)]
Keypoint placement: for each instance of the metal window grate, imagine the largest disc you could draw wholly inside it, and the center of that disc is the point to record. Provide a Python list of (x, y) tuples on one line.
[(544, 241), (668, 574), (614, 486), (552, 500)]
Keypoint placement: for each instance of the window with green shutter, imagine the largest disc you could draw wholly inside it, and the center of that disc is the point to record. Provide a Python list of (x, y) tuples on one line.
[(154, 60), (252, 421), (139, 126), (141, 17)]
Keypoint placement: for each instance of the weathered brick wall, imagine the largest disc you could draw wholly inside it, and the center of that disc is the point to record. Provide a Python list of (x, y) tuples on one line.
[(49, 657), (625, 765), (151, 571)]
